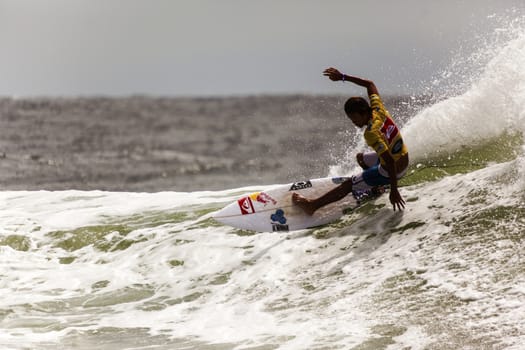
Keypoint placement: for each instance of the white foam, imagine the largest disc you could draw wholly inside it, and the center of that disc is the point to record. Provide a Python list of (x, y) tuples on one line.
[(492, 105), (304, 291), (414, 338)]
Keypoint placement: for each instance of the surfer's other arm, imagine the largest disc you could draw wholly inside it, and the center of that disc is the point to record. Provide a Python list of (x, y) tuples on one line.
[(336, 75), (390, 166)]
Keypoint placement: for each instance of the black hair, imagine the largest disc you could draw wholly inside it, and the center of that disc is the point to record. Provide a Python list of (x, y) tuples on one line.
[(357, 105)]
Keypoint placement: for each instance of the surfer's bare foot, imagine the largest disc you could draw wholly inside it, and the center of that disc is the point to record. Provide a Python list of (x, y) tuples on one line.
[(303, 203)]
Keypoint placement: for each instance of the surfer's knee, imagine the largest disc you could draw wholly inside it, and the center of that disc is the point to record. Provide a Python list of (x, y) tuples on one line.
[(361, 160)]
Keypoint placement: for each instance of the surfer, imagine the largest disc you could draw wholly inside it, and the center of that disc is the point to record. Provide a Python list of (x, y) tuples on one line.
[(385, 166)]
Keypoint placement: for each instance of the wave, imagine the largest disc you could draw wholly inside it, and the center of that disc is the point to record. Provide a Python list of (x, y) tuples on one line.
[(81, 269), (492, 106)]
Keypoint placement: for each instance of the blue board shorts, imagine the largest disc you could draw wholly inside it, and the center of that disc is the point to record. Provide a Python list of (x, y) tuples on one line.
[(374, 176)]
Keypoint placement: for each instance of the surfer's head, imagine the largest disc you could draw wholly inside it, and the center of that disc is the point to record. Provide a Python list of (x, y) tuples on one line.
[(358, 110)]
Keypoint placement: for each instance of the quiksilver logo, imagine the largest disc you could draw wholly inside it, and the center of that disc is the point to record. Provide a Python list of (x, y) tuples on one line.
[(246, 206), (389, 131)]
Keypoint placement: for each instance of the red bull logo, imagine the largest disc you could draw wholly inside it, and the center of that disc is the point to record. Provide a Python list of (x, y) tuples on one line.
[(265, 199)]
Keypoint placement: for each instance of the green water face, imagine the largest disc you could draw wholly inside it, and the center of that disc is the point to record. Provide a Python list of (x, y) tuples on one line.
[(111, 235), (484, 236), (464, 160), (92, 235), (17, 242)]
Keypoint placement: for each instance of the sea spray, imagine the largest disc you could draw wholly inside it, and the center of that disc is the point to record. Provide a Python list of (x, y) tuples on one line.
[(494, 104), (478, 100)]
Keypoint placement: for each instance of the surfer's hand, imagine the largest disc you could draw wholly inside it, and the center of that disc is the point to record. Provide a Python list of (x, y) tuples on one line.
[(396, 199), (333, 74)]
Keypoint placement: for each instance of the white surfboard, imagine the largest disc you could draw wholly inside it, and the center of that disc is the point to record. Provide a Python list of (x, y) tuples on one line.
[(273, 210)]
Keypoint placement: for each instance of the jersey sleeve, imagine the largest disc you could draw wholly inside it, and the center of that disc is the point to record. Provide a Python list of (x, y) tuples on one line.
[(376, 103)]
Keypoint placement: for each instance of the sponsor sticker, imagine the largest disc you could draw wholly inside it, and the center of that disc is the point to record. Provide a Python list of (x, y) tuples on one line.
[(280, 228), (246, 206), (278, 216), (398, 146), (265, 198), (301, 185), (339, 180), (279, 221), (389, 129)]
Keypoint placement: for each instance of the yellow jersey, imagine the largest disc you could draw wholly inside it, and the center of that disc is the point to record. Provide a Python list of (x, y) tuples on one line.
[(381, 133)]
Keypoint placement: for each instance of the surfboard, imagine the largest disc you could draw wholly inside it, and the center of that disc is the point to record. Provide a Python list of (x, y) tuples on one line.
[(273, 210)]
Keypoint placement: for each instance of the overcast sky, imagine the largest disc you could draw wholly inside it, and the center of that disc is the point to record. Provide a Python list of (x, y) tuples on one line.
[(224, 47)]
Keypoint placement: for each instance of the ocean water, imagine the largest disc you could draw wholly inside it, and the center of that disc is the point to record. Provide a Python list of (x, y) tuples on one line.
[(127, 269)]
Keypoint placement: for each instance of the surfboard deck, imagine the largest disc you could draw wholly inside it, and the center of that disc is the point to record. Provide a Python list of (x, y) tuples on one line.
[(273, 210)]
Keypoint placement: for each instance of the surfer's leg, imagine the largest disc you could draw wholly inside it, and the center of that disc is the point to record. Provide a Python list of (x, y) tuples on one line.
[(361, 161), (367, 160), (311, 205)]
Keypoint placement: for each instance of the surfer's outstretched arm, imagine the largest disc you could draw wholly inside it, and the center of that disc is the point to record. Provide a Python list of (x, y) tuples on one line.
[(311, 205), (336, 75)]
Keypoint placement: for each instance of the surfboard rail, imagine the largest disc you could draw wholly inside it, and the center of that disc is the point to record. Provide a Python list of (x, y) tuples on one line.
[(273, 210)]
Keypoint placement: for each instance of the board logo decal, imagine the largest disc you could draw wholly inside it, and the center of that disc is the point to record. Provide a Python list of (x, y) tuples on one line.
[(280, 228), (339, 180), (301, 185), (279, 221), (246, 206), (265, 199), (278, 216), (389, 129)]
